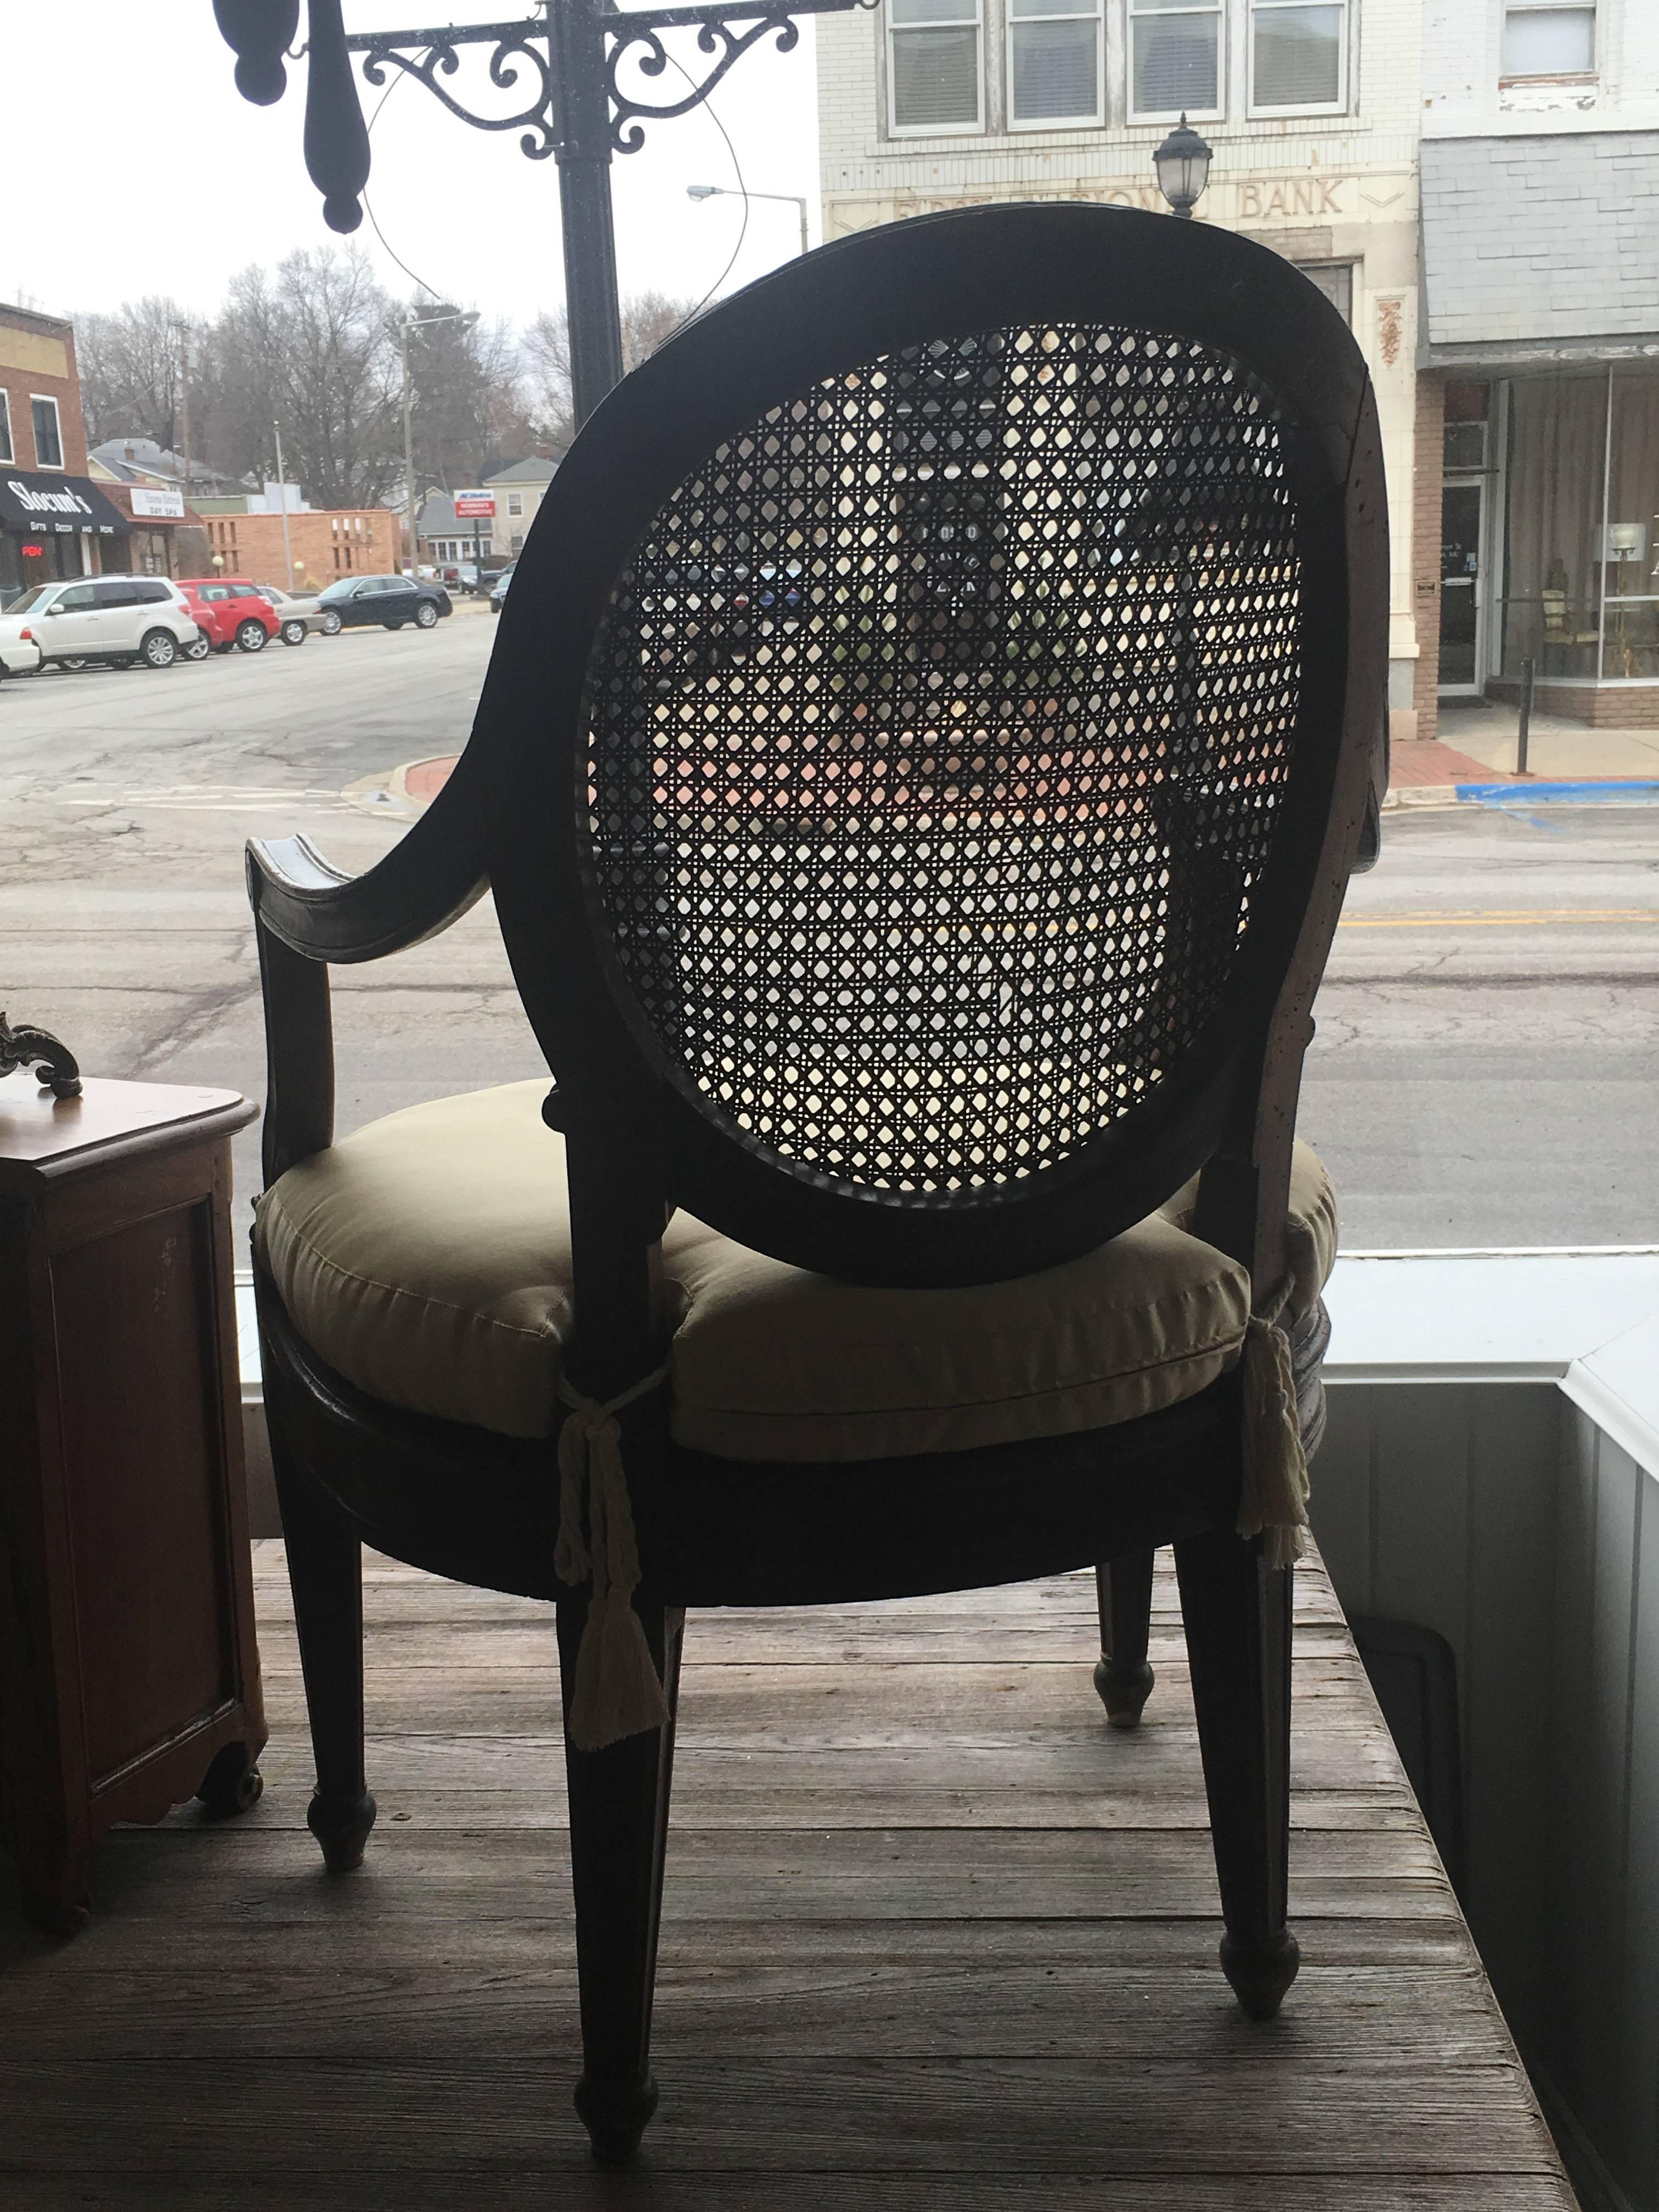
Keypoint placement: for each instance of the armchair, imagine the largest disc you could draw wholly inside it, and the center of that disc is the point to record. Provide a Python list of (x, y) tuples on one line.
[(918, 772)]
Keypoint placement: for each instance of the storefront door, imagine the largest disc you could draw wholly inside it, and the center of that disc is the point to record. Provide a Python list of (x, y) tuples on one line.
[(1462, 623)]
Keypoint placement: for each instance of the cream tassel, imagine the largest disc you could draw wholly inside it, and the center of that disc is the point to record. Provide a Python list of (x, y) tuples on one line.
[(617, 1692), (1272, 1499)]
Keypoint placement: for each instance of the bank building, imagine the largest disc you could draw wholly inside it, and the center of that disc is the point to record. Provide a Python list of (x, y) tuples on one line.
[(1474, 184)]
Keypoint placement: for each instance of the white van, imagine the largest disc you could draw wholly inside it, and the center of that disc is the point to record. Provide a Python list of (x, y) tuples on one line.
[(119, 619)]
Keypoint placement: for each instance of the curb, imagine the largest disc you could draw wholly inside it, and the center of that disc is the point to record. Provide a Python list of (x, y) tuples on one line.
[(390, 794), (1609, 791)]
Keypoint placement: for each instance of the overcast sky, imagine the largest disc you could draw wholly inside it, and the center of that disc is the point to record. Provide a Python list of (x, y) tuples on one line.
[(137, 167)]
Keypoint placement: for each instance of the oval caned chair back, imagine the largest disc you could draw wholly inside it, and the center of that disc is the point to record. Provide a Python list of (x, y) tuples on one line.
[(941, 737)]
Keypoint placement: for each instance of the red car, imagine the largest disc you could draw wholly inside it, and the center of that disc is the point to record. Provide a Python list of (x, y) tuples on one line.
[(229, 610)]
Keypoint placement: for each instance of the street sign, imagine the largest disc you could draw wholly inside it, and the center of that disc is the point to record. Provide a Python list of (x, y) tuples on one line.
[(475, 507)]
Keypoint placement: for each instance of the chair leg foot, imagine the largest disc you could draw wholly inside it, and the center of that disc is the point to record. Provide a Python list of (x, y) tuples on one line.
[(341, 1826), (1123, 1690), (1260, 1970), (1123, 1680), (617, 2117)]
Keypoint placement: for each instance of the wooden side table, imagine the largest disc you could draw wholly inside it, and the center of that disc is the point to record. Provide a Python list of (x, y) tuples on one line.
[(129, 1672)]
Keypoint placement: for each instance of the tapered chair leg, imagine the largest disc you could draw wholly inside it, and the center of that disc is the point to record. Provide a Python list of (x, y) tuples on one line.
[(324, 1568), (1237, 1617), (1124, 1588), (618, 1833)]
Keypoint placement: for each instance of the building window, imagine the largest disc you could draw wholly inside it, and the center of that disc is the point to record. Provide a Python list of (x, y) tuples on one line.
[(1543, 39), (6, 453), (1579, 596), (48, 437), (1335, 280), (935, 78), (516, 499), (1053, 61), (1298, 57), (1175, 58)]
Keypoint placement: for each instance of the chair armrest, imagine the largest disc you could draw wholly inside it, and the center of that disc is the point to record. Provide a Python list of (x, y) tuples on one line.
[(307, 915), (435, 872)]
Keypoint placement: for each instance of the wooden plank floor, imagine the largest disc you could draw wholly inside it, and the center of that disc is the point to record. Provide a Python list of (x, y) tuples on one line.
[(932, 1936)]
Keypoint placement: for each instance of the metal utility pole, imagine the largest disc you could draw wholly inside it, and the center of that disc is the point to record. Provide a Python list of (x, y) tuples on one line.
[(281, 494), (581, 69), (184, 400)]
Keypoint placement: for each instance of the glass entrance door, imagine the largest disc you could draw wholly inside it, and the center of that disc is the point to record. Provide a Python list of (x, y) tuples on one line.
[(1463, 517)]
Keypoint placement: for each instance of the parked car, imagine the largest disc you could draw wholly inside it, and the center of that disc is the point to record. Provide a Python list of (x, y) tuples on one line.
[(122, 620), (299, 613), (232, 611), (498, 594), (391, 601)]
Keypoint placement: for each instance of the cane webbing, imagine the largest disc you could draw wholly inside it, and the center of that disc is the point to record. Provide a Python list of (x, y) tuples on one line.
[(936, 737)]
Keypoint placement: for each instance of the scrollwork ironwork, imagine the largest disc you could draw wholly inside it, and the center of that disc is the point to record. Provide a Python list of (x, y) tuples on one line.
[(28, 1047), (715, 35), (440, 58)]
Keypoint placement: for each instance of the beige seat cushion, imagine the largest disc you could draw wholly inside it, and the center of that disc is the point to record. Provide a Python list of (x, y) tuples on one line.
[(427, 1259)]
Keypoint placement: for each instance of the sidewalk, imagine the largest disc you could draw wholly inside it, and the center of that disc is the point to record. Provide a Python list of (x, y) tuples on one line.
[(1473, 759)]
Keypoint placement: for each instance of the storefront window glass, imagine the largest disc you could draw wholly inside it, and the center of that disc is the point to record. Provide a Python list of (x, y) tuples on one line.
[(1580, 595)]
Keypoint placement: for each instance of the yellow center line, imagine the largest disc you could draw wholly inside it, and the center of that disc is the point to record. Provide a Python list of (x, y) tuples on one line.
[(1498, 920)]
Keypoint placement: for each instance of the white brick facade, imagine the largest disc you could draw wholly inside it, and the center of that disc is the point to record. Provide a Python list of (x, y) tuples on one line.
[(1329, 189)]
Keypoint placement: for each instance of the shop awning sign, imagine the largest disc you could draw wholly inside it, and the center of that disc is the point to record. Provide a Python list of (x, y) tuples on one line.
[(34, 504)]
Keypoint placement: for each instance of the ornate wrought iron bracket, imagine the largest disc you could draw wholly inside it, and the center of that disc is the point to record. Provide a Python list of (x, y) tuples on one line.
[(576, 75), (27, 1047)]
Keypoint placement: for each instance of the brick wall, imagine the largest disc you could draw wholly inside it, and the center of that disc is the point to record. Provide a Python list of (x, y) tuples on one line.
[(1604, 707), (37, 361), (1426, 478), (333, 542)]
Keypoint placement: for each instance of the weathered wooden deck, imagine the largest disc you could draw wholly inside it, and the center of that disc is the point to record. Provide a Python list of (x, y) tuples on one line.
[(932, 1936)]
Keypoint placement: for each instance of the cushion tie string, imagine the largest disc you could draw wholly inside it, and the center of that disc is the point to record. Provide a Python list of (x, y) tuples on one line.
[(1273, 1498), (618, 1691)]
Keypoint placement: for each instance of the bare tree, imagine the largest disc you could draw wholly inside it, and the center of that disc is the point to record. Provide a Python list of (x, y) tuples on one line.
[(648, 320), (309, 346), (130, 366), (464, 381)]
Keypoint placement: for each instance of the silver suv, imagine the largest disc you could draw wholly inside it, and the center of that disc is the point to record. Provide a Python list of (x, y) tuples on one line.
[(119, 619)]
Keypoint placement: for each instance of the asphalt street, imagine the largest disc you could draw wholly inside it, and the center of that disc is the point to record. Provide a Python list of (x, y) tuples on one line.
[(1483, 1072)]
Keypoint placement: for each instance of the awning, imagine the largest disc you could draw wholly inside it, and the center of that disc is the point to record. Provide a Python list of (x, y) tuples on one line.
[(43, 503)]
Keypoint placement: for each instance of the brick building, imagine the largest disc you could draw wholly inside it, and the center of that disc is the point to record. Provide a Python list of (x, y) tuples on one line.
[(1539, 399), (54, 520), (1313, 112), (326, 544)]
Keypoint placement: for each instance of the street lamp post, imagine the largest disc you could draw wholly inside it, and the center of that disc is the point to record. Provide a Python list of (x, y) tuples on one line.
[(419, 323), (1182, 166), (725, 191), (565, 60)]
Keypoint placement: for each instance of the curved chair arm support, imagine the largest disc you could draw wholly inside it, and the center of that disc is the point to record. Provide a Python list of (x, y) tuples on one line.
[(429, 878), (307, 915)]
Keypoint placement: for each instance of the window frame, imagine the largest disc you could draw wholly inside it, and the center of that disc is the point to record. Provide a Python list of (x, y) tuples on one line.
[(47, 399), (9, 455), (1056, 11), (1590, 8), (515, 505), (1341, 104), (978, 126), (1132, 15)]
